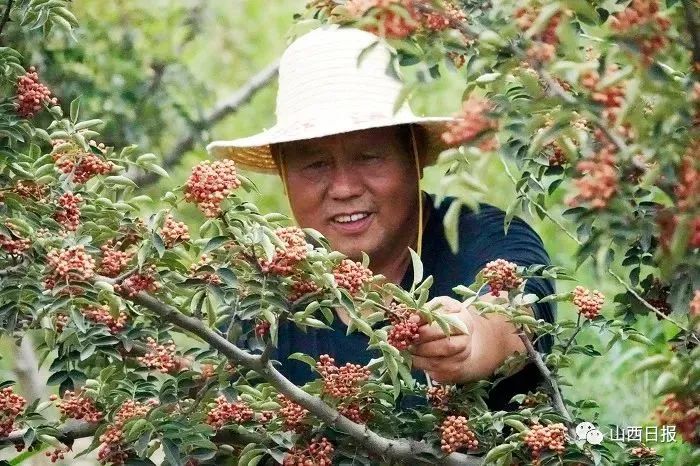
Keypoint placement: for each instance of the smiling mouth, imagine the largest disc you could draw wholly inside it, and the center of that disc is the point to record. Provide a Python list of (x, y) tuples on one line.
[(350, 218)]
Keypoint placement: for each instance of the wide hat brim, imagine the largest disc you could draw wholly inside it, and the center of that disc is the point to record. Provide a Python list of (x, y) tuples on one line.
[(253, 152)]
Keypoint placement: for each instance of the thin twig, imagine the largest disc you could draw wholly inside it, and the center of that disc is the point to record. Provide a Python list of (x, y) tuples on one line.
[(223, 109), (645, 303), (548, 376), (573, 337), (6, 15), (541, 207)]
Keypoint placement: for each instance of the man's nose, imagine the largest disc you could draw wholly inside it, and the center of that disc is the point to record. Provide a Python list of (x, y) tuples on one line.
[(346, 182)]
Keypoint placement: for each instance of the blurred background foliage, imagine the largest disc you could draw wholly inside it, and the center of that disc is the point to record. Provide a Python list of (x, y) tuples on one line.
[(153, 71)]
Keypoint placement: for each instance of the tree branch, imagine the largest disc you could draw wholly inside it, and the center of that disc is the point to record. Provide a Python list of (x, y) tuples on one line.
[(395, 449), (219, 112), (548, 376), (693, 29), (6, 15)]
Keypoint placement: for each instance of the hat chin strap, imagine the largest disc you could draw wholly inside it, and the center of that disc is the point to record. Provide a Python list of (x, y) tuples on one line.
[(416, 160)]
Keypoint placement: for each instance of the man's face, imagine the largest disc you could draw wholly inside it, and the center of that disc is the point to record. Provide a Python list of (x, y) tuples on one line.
[(358, 189)]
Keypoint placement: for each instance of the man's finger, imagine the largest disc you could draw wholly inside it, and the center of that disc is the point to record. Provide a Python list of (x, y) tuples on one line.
[(432, 332), (449, 365), (444, 347)]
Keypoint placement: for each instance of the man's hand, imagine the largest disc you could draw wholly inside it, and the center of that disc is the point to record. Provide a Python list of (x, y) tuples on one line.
[(459, 358)]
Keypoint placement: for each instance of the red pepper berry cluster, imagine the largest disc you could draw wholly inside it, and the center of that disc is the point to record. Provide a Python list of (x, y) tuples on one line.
[(687, 189), (643, 451), (285, 259), (535, 399), (589, 303), (643, 13), (30, 190), (138, 282), (102, 315), (262, 328), (544, 49), (112, 450), (207, 371), (612, 97), (684, 413), (56, 454), (78, 406), (540, 438), (60, 322), (225, 412), (341, 382), (695, 305), (389, 23), (351, 275), (600, 181), (448, 15), (160, 357), (174, 232), (558, 157), (301, 287), (210, 277), (210, 183), (114, 260), (501, 275), (11, 406), (265, 416), (292, 414), (14, 246), (439, 396), (471, 122), (404, 331), (455, 435), (81, 165), (318, 453), (67, 266), (356, 413), (31, 94), (68, 212)]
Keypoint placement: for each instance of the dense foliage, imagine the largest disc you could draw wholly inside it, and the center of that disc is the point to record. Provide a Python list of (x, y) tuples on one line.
[(158, 338)]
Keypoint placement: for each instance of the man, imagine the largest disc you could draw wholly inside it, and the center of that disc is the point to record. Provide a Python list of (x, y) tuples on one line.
[(351, 167)]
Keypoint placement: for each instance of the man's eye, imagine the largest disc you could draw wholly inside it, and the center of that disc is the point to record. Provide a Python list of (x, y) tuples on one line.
[(370, 156), (315, 165)]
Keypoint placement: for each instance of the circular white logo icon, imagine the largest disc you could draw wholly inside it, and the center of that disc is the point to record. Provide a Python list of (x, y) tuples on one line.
[(583, 429)]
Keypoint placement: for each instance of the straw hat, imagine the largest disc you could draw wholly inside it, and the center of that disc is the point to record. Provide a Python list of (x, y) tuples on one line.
[(323, 90)]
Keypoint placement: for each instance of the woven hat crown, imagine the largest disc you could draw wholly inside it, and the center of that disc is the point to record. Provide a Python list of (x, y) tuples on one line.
[(341, 71), (332, 80)]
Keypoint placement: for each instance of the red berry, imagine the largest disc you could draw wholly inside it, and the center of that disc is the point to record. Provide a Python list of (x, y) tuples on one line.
[(456, 435), (225, 412), (210, 183), (341, 382), (589, 303), (11, 406), (31, 94), (540, 438), (286, 258), (174, 232), (292, 414), (78, 406), (501, 275), (317, 453), (351, 275), (472, 122), (160, 357)]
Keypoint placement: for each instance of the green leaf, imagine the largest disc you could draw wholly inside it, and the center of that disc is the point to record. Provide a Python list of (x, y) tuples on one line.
[(303, 358), (215, 243), (451, 224), (74, 109), (417, 268), (120, 181), (172, 452)]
